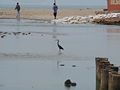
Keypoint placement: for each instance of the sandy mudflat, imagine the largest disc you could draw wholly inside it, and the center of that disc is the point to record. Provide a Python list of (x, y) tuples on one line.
[(46, 14)]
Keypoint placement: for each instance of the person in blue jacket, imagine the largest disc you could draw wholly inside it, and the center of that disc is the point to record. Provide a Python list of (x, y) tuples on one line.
[(55, 9)]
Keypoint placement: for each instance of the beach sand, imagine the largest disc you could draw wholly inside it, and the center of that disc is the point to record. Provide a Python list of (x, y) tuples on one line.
[(46, 14)]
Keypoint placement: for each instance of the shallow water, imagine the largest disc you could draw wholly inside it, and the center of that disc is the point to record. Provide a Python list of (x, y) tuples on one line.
[(33, 61)]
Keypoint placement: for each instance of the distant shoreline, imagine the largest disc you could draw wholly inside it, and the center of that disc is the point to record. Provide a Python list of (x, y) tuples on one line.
[(37, 7), (45, 14)]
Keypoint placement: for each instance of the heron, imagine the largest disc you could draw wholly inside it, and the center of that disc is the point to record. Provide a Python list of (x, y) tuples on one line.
[(60, 47)]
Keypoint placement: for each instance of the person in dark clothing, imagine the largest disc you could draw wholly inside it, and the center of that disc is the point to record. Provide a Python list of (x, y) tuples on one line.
[(17, 8), (55, 8)]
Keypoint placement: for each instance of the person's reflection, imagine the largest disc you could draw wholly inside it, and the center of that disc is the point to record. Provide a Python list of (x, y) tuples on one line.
[(18, 25), (17, 31), (18, 18), (54, 31)]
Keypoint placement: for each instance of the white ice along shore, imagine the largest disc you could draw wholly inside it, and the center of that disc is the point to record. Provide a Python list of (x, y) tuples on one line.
[(85, 19)]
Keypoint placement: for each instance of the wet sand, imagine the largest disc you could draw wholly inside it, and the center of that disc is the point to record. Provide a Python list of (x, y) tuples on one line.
[(46, 14)]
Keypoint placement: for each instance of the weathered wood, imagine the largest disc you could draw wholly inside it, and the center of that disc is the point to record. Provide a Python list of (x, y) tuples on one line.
[(104, 79), (114, 81), (99, 64), (107, 76)]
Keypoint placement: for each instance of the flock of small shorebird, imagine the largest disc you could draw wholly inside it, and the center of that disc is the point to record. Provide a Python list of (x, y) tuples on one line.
[(3, 34)]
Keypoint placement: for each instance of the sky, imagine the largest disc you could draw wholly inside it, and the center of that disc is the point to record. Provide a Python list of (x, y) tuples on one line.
[(59, 2)]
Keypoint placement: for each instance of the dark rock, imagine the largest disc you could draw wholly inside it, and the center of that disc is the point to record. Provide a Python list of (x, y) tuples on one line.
[(5, 33), (62, 65), (73, 65), (29, 33), (23, 33), (73, 84), (68, 83), (2, 36)]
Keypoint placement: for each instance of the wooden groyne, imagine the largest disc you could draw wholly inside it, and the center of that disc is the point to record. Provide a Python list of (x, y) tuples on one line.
[(107, 75)]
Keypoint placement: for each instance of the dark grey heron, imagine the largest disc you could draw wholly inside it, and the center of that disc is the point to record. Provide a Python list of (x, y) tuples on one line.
[(60, 47)]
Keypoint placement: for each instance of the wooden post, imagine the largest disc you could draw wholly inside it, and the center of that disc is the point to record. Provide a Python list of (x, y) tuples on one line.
[(105, 76), (114, 68), (114, 81), (99, 65), (104, 79)]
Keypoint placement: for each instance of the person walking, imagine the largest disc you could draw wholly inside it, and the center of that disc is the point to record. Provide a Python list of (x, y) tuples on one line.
[(55, 8), (18, 9)]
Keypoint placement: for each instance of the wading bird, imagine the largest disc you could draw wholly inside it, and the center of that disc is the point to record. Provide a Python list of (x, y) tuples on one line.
[(60, 47)]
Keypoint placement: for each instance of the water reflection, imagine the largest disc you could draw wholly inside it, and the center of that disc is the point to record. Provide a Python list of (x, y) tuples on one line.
[(113, 30), (113, 34), (55, 37), (54, 31), (18, 16), (17, 27), (113, 37)]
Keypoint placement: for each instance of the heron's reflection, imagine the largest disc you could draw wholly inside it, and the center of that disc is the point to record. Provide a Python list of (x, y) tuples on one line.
[(56, 38), (17, 28), (57, 42), (18, 16)]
